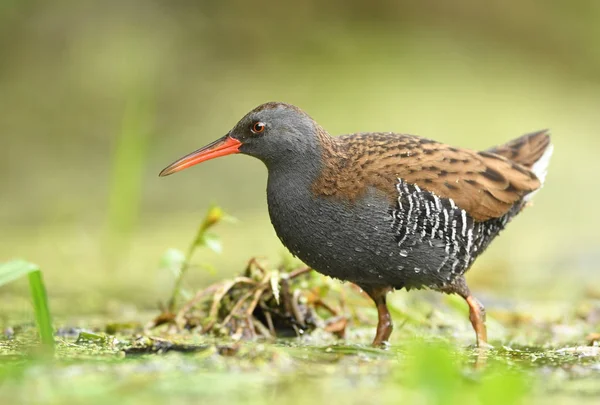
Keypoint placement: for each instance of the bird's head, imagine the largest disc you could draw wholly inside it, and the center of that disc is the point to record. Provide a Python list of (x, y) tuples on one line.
[(273, 132)]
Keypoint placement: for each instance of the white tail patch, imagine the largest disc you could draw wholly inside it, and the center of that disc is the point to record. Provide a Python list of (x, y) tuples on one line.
[(540, 169)]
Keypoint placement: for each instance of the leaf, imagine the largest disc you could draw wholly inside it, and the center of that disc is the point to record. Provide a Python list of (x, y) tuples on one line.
[(229, 219), (172, 260), (213, 242), (15, 269), (275, 285)]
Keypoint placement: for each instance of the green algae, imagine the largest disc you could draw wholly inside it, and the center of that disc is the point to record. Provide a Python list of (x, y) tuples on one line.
[(95, 367)]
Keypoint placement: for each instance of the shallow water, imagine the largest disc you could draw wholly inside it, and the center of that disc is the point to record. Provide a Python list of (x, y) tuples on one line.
[(428, 362)]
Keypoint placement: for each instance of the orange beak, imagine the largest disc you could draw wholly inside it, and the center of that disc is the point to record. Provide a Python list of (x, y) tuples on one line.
[(221, 147)]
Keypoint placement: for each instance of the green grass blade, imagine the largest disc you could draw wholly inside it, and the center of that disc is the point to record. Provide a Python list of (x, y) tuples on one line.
[(128, 163), (41, 308), (18, 268), (15, 269)]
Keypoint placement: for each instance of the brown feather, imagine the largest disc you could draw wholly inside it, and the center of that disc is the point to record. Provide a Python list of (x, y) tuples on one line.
[(525, 150), (484, 184)]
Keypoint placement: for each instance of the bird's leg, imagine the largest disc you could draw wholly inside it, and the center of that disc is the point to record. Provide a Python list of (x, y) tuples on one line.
[(384, 319), (476, 309), (477, 317)]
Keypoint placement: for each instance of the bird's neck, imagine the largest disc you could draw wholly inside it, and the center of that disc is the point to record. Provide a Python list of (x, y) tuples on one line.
[(296, 211), (304, 169)]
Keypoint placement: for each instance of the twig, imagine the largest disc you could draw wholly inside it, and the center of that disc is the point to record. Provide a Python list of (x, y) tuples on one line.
[(254, 262), (257, 294), (269, 319), (285, 296), (236, 307), (258, 325), (299, 272), (251, 327), (214, 309), (188, 305), (320, 303), (296, 308)]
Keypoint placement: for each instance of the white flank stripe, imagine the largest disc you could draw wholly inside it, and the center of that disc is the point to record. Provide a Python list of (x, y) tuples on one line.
[(454, 264), (438, 203), (418, 204), (443, 263), (454, 240), (445, 211), (469, 240), (410, 208), (435, 225)]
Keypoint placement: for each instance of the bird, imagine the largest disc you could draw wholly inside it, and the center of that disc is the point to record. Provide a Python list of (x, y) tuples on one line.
[(385, 211)]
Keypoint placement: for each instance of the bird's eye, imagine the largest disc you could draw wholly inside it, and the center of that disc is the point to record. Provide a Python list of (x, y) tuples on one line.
[(258, 127)]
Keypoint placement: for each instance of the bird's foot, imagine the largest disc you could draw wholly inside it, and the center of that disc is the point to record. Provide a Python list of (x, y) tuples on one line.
[(383, 345)]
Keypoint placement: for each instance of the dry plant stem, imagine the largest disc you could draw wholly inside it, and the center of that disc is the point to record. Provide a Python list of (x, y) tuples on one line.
[(336, 325), (320, 303), (296, 308), (269, 319), (299, 272), (254, 262), (179, 319), (250, 324), (261, 329), (161, 319), (285, 296), (237, 307), (257, 294), (255, 289), (288, 302), (214, 309)]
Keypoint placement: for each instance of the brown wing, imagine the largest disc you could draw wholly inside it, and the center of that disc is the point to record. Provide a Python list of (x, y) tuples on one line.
[(484, 184)]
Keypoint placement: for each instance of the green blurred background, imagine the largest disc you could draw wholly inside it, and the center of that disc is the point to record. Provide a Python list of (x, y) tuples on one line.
[(97, 97)]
